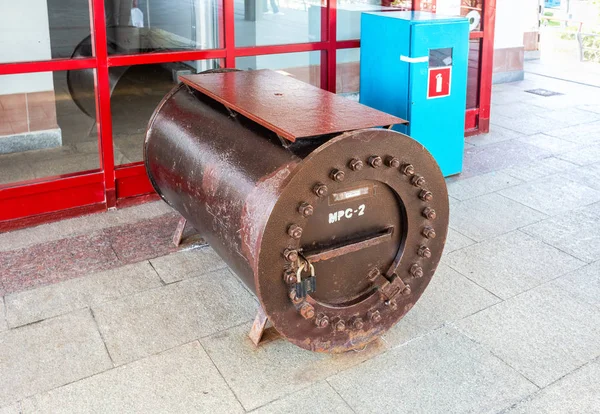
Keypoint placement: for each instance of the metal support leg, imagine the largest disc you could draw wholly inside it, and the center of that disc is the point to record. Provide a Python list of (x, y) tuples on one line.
[(258, 327), (179, 232)]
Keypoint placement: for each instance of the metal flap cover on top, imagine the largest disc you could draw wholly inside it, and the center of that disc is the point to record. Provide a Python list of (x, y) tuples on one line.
[(287, 106)]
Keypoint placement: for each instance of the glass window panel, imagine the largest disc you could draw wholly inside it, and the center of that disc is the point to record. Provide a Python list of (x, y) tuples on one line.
[(146, 26), (473, 74), (43, 132), (34, 30), (349, 11), (472, 9), (136, 92), (348, 72), (305, 66), (275, 22)]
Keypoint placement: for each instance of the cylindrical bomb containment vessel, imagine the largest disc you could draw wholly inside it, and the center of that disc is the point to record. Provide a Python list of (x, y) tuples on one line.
[(334, 221)]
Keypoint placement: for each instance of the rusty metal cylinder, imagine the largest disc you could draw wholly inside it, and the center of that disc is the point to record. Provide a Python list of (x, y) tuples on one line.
[(333, 233)]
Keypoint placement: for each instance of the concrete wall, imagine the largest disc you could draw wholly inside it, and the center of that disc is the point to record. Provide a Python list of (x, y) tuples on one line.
[(24, 35), (27, 102), (516, 24)]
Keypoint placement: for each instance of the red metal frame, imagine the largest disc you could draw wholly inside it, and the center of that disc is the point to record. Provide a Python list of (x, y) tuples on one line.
[(31, 202)]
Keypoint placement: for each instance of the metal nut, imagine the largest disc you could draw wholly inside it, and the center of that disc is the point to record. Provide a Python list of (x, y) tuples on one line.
[(406, 291), (374, 316), (339, 325), (425, 195), (306, 209), (357, 323), (290, 255), (295, 300), (418, 181), (375, 161), (338, 175), (393, 162), (408, 169), (320, 190), (322, 321), (429, 213), (295, 231), (424, 252), (428, 232), (355, 164), (416, 271), (289, 277), (307, 311)]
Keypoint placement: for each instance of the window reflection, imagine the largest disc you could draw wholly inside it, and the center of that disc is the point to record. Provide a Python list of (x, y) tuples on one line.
[(270, 22), (35, 30), (135, 94), (144, 26), (42, 131), (471, 9), (349, 11), (305, 66)]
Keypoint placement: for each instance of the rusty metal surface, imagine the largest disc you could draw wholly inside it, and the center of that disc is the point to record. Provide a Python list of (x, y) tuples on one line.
[(337, 236), (178, 234), (289, 107), (258, 327)]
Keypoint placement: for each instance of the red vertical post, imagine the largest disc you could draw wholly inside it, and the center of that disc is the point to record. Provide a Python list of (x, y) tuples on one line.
[(324, 68), (103, 116), (331, 45), (229, 29), (487, 65)]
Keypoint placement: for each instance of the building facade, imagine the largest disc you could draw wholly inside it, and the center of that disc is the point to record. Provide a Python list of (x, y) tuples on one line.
[(79, 81)]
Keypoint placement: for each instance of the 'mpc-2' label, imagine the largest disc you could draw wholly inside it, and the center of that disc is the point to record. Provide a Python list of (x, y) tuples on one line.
[(346, 214)]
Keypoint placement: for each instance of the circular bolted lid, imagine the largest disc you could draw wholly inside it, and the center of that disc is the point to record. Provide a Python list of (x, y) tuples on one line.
[(368, 248)]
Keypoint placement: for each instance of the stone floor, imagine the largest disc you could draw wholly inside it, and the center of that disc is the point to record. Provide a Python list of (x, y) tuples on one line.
[(100, 314)]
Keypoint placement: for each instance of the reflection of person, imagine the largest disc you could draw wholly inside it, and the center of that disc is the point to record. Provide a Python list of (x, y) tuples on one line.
[(137, 16), (273, 6)]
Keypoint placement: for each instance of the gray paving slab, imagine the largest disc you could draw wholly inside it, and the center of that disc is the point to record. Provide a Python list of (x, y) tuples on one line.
[(529, 124), (276, 368), (588, 133), (81, 225), (46, 355), (576, 393), (155, 320), (583, 156), (90, 290), (551, 144), (3, 323), (176, 381), (318, 398), (583, 284), (496, 134), (552, 195), (443, 372), (455, 241), (588, 175), (512, 263), (577, 233), (543, 333), (539, 169), (501, 155), (516, 109), (187, 264), (572, 115), (464, 189), (490, 215), (449, 297), (11, 409)]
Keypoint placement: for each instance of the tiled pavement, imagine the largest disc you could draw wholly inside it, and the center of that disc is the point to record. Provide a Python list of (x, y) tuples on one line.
[(100, 314)]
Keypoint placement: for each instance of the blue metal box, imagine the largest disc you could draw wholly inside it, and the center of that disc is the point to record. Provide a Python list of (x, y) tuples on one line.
[(414, 65)]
